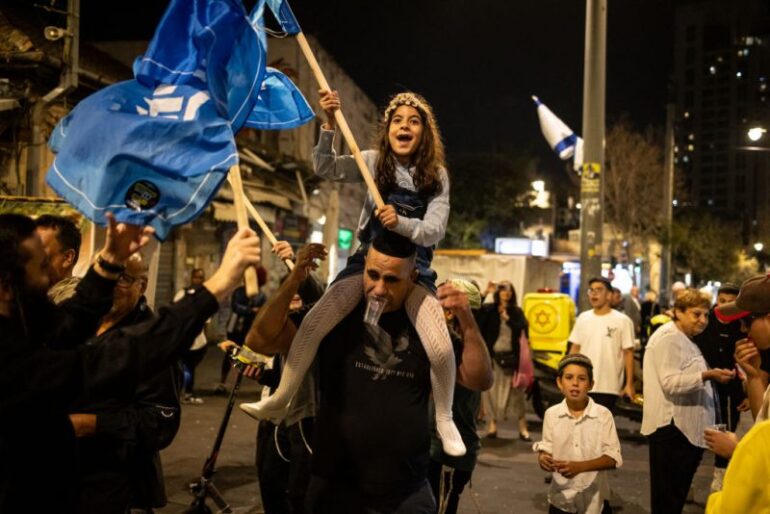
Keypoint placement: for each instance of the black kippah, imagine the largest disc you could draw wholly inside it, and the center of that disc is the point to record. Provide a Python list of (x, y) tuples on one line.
[(394, 245)]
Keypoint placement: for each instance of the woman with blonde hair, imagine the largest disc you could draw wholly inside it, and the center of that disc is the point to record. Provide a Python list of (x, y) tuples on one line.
[(678, 401)]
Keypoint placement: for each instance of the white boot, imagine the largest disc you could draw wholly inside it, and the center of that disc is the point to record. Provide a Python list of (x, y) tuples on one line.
[(427, 316), (336, 303)]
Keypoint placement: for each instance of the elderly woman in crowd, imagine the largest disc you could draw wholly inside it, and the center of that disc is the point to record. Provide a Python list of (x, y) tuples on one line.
[(678, 401)]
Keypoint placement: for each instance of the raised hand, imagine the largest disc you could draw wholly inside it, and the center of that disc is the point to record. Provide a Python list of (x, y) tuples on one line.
[(123, 240), (306, 260), (330, 103), (242, 251)]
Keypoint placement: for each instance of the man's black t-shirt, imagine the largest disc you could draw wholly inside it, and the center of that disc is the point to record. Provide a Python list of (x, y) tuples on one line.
[(372, 429)]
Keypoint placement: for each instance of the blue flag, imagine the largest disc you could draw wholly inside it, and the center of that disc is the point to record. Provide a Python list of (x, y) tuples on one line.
[(155, 150), (280, 104), (152, 157), (285, 16), (209, 44)]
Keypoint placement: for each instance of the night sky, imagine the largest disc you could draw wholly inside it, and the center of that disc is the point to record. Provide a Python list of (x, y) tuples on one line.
[(477, 61)]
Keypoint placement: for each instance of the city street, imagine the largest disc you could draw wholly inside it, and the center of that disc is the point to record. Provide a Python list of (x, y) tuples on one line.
[(507, 478)]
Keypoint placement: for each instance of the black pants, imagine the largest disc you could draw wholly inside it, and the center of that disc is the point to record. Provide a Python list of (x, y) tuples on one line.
[(335, 496), (605, 400), (283, 485), (673, 462), (457, 485)]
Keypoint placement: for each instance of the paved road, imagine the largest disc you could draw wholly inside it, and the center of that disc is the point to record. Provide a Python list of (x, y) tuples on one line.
[(507, 478)]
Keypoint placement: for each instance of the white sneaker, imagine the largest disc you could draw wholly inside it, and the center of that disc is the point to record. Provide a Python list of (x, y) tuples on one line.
[(263, 410)]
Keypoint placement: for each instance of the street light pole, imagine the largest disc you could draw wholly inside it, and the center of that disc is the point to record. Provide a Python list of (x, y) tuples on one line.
[(668, 202), (591, 183)]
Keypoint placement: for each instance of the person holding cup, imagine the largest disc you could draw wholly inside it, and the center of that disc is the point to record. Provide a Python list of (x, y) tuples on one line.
[(678, 401), (745, 487)]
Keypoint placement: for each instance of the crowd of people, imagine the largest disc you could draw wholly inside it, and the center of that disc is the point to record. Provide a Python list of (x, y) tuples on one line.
[(377, 384)]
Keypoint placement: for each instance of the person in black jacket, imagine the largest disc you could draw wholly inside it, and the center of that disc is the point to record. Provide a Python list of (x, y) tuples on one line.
[(120, 437), (39, 383), (502, 324)]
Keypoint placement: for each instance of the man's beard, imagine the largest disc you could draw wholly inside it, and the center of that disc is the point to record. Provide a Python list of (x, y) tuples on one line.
[(35, 313)]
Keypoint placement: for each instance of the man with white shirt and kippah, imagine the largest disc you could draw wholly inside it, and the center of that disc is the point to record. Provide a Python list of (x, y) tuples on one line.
[(606, 336)]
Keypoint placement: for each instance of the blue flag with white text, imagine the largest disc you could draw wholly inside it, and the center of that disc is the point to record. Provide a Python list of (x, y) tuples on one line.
[(152, 157), (210, 44), (156, 149)]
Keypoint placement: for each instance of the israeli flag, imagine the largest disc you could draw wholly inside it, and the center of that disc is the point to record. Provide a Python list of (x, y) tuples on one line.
[(151, 157), (559, 136)]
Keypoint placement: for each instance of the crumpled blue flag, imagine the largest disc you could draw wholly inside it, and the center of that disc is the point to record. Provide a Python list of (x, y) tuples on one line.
[(210, 44), (156, 149), (280, 104), (285, 16), (152, 157)]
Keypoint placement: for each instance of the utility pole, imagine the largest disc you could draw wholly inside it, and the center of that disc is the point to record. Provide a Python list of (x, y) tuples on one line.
[(668, 202), (591, 183)]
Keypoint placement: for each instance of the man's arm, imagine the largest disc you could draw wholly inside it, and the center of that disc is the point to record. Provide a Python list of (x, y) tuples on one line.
[(272, 330), (475, 370)]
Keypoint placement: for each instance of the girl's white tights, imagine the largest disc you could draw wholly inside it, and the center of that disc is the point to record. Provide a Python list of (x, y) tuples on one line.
[(427, 316)]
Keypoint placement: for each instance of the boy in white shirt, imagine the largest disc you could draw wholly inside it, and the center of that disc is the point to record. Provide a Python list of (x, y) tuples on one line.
[(605, 336), (579, 442)]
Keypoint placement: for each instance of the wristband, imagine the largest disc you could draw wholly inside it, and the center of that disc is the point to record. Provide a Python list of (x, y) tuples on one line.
[(108, 266)]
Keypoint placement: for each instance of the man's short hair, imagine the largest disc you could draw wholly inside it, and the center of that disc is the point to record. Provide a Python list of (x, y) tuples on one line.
[(394, 245), (14, 230), (578, 359), (729, 288), (600, 280), (67, 233)]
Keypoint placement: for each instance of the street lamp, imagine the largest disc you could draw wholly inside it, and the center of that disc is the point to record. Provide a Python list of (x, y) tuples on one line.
[(758, 247), (756, 133)]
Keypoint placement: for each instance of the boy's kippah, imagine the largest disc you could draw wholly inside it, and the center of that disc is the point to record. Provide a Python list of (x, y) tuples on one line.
[(575, 358)]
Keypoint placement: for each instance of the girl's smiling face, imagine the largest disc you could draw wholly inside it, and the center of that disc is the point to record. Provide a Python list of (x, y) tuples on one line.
[(405, 132)]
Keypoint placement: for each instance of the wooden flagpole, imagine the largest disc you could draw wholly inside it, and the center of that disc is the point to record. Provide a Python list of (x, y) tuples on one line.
[(265, 229), (234, 177), (340, 119)]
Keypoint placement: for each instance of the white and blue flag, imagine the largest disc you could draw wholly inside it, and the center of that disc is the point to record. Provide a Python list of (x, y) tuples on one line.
[(559, 136), (155, 150)]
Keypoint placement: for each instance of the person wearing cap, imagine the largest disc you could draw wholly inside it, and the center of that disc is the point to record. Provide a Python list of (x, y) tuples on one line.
[(678, 401), (717, 344), (462, 305), (579, 442), (606, 336), (752, 308)]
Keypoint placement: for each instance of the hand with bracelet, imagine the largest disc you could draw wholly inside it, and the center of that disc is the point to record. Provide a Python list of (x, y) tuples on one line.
[(122, 241)]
